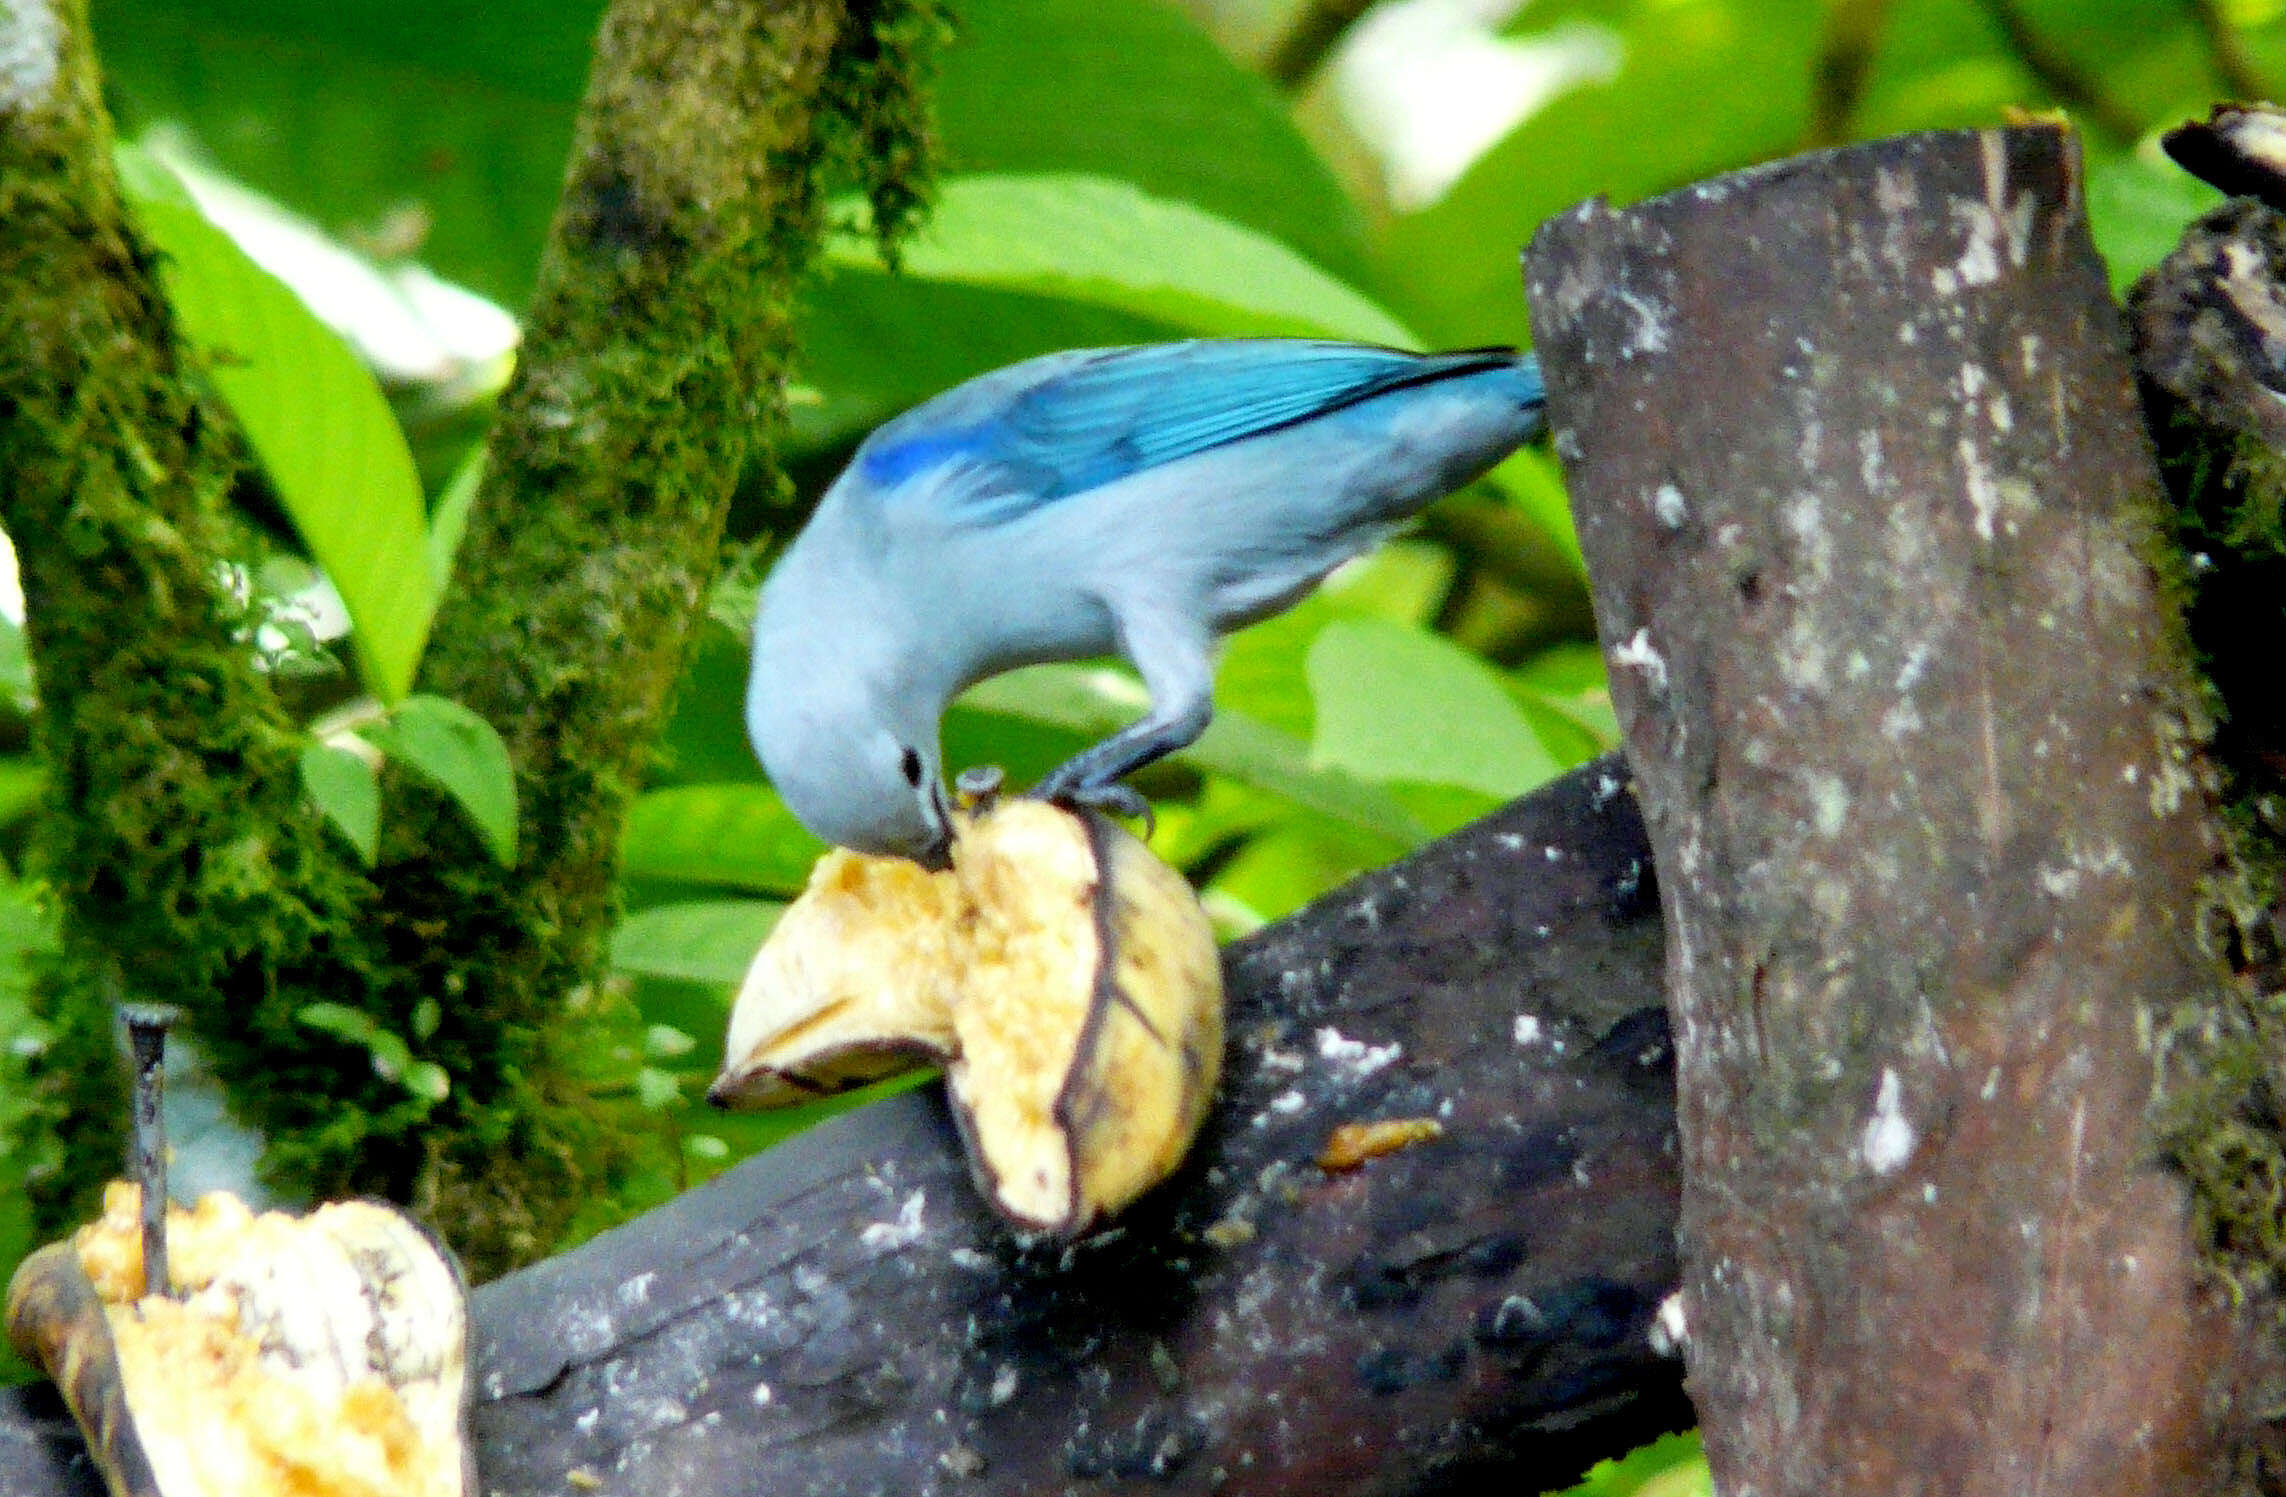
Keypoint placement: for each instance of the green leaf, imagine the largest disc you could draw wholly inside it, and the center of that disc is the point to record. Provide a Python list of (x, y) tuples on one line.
[(703, 941), (1284, 868), (449, 520), (27, 939), (343, 1023), (1219, 817), (465, 109), (1134, 92), (735, 835), (27, 932), (657, 1090), (16, 685), (348, 792), (666, 1042), (22, 780), (1095, 701), (705, 738), (145, 179), (1024, 748), (461, 108), (393, 1059), (876, 344), (1093, 239), (1567, 681), (1140, 92), (325, 435), (2138, 208), (458, 115), (1702, 86), (1944, 65), (1670, 1466), (428, 1081), (1530, 480), (1260, 672), (1448, 808), (461, 755), (1396, 703)]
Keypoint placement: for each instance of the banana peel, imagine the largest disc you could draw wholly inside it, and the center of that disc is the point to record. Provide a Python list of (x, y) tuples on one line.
[(1065, 978), (321, 1356)]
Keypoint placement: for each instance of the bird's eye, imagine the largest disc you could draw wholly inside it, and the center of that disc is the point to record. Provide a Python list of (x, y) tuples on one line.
[(911, 765)]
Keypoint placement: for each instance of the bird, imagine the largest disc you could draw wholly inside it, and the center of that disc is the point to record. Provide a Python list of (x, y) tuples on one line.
[(1142, 500)]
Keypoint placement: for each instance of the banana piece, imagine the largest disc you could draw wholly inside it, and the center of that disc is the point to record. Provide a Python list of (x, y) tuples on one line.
[(1089, 1023), (1066, 977), (854, 983), (320, 1356)]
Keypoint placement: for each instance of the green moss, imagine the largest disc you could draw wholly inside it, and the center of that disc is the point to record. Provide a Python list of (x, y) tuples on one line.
[(2221, 1105), (875, 99), (187, 866), (656, 355)]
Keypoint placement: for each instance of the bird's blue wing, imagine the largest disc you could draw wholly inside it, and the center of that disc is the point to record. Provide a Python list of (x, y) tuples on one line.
[(1090, 419)]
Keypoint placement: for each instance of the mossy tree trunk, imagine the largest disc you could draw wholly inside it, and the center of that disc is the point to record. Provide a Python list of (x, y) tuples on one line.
[(177, 837), (174, 835), (655, 356)]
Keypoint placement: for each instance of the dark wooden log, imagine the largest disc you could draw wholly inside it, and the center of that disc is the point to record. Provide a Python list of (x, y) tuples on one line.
[(1859, 474), (2237, 149), (842, 1316), (41, 1452)]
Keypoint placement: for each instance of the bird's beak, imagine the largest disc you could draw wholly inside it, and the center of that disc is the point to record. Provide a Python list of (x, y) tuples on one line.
[(937, 856)]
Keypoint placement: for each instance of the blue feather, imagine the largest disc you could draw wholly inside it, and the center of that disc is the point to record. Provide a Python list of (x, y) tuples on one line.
[(1069, 423)]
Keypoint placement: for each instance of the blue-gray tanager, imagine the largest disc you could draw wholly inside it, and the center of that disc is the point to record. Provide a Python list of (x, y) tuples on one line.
[(1145, 500)]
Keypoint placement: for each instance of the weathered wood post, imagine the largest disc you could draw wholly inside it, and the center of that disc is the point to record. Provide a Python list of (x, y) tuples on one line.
[(1872, 517)]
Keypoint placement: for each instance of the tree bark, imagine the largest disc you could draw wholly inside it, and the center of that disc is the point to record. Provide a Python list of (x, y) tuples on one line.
[(1873, 523), (842, 1315)]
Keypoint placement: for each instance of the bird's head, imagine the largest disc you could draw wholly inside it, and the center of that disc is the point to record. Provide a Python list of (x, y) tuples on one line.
[(852, 772)]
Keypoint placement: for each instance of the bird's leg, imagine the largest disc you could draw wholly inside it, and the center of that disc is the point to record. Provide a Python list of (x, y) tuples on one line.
[(1100, 768), (1175, 659)]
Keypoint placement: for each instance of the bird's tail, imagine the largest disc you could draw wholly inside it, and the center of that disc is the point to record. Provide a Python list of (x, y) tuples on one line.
[(1505, 400), (1531, 389), (1515, 373)]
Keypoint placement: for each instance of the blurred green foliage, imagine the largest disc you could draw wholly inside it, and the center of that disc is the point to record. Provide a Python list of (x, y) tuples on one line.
[(1116, 175), (1671, 1466)]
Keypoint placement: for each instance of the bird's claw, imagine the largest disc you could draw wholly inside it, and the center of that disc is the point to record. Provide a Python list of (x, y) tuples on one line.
[(1114, 799)]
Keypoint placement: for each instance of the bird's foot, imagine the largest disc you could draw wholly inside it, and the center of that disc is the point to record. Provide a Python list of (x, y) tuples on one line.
[(1114, 799)]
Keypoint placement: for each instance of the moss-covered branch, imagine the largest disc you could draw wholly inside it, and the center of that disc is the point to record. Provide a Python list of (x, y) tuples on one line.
[(654, 362), (186, 864)]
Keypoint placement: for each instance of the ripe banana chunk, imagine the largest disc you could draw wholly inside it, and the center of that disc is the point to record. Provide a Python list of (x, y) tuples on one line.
[(1066, 977), (319, 1356), (854, 984)]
